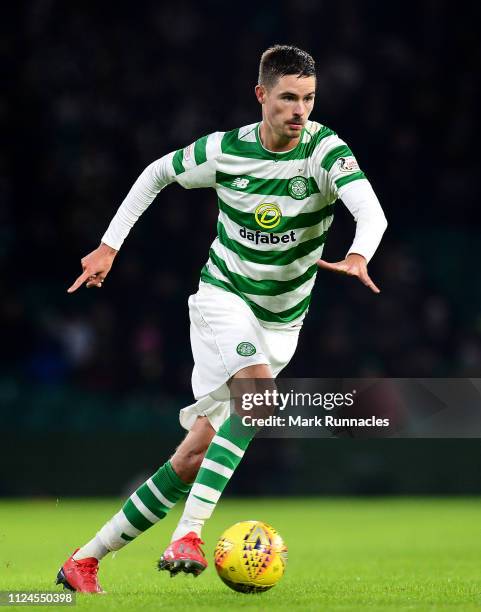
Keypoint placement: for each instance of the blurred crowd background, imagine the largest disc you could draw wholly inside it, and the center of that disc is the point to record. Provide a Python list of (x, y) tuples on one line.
[(96, 91)]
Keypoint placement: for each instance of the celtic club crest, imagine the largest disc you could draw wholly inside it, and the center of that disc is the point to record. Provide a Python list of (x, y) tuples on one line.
[(246, 349), (298, 188)]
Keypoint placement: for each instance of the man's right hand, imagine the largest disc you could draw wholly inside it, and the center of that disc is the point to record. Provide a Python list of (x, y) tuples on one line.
[(96, 265)]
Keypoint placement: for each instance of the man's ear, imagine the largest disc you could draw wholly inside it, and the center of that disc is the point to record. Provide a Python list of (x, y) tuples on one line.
[(260, 93)]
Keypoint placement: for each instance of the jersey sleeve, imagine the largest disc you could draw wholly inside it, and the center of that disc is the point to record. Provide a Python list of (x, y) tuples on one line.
[(334, 157), (194, 166), (361, 201), (338, 173)]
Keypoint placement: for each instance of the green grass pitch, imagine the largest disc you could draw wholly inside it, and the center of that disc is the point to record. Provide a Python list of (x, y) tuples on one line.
[(344, 554)]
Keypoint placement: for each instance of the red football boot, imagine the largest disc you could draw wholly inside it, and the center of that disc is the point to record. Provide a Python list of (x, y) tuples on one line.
[(80, 576), (184, 555)]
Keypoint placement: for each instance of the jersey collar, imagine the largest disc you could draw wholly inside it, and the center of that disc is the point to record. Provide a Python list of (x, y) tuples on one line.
[(278, 155)]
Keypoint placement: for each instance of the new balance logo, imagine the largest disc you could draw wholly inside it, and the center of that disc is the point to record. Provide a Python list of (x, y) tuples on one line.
[(240, 183)]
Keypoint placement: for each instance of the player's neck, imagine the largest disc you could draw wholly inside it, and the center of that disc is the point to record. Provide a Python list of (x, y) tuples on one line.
[(275, 143)]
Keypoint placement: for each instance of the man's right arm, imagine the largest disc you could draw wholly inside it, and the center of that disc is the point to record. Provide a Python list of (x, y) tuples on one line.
[(191, 167), (153, 179), (96, 265)]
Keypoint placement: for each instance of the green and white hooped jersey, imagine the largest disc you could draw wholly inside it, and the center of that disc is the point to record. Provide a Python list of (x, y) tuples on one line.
[(275, 210)]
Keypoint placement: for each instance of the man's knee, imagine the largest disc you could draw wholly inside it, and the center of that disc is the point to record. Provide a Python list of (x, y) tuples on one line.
[(259, 370), (253, 381)]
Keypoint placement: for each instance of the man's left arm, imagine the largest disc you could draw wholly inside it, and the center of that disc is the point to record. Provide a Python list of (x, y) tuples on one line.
[(359, 198), (348, 182)]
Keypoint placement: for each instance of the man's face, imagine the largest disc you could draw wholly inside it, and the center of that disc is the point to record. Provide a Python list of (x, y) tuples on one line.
[(287, 105)]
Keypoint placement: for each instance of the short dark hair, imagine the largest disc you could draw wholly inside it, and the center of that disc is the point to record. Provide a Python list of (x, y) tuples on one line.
[(280, 60)]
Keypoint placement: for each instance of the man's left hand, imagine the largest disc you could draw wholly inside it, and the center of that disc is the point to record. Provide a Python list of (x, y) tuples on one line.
[(353, 265)]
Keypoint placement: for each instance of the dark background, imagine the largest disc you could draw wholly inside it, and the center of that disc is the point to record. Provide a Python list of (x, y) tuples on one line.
[(91, 383)]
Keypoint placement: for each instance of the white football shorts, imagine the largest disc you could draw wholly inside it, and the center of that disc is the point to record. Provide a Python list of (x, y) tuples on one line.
[(225, 337)]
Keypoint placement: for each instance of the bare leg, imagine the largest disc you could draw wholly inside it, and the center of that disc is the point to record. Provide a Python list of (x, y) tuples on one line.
[(189, 454)]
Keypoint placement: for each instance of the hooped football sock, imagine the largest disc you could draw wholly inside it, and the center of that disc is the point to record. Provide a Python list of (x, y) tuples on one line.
[(94, 548), (221, 459), (145, 507)]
